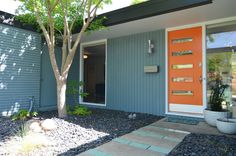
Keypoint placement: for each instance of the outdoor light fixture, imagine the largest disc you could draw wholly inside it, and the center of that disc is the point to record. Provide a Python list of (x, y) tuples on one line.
[(150, 47), (85, 56)]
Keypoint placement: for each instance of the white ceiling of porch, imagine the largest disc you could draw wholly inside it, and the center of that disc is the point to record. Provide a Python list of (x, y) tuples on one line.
[(218, 9)]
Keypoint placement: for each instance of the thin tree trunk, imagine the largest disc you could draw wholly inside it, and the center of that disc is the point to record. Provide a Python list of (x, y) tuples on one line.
[(61, 98)]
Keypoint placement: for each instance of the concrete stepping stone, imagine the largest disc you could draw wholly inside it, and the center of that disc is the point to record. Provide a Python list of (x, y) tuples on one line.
[(151, 141), (115, 148)]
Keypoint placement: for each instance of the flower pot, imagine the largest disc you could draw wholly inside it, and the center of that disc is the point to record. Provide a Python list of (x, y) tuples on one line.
[(211, 116), (227, 126)]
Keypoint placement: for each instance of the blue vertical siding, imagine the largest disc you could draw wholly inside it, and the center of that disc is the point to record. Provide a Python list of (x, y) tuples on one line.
[(129, 88), (25, 71), (48, 82), (19, 68)]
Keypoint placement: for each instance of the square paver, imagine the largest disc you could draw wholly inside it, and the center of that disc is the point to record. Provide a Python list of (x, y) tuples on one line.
[(118, 149)]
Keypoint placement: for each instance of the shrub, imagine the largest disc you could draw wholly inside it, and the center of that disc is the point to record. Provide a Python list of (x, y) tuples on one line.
[(23, 114), (217, 95), (73, 90), (78, 110)]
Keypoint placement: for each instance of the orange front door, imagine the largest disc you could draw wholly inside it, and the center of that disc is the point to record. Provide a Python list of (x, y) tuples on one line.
[(185, 67)]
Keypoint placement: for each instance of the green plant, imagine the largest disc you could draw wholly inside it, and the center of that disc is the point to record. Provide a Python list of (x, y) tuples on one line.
[(69, 110), (217, 95), (34, 114), (73, 90), (23, 114), (78, 110), (81, 110), (22, 130)]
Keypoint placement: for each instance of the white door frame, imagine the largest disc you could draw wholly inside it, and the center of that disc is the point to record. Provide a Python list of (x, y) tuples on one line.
[(93, 43), (204, 74)]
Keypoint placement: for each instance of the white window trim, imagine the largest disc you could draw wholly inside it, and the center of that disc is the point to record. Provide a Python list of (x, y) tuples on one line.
[(204, 76), (82, 45)]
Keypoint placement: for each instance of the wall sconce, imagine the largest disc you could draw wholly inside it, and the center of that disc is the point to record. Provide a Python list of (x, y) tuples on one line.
[(85, 56), (150, 47)]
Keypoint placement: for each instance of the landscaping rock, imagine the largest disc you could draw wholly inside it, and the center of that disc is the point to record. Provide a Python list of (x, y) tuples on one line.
[(205, 145), (48, 125), (35, 127), (76, 134)]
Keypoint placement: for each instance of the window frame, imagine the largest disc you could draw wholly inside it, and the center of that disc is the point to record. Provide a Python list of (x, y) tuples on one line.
[(87, 44)]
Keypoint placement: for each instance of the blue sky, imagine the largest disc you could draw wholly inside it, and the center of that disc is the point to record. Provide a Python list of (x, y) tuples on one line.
[(225, 39)]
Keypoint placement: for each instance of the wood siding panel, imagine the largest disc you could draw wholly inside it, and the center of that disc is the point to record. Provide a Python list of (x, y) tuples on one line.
[(19, 68), (48, 82), (129, 88)]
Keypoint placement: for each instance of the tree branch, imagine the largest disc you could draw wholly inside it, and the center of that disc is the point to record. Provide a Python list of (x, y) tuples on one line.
[(78, 13), (72, 52), (55, 4), (51, 46)]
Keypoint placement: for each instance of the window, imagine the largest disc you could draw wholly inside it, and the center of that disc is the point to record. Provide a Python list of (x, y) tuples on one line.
[(221, 58), (93, 73)]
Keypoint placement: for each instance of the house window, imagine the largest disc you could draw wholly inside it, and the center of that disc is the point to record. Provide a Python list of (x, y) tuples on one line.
[(221, 58), (93, 73)]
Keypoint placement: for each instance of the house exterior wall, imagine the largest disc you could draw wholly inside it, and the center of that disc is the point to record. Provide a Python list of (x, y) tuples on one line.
[(129, 88), (26, 71), (19, 68), (48, 82)]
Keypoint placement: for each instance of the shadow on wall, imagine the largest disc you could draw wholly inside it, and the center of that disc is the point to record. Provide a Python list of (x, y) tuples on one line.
[(19, 68)]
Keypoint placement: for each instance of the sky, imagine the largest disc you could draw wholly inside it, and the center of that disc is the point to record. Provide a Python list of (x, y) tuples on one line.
[(10, 5)]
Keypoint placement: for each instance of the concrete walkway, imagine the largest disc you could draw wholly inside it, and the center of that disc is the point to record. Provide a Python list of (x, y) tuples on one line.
[(152, 140)]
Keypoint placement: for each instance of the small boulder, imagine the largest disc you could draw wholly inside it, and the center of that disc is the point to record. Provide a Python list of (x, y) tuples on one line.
[(35, 127), (48, 125)]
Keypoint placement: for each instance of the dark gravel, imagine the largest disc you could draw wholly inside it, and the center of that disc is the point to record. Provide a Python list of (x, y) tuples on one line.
[(205, 145), (77, 134)]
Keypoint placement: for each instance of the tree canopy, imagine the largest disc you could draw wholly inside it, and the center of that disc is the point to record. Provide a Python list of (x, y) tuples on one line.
[(74, 10)]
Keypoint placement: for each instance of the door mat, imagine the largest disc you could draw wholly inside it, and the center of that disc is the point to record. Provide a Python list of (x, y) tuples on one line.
[(182, 121)]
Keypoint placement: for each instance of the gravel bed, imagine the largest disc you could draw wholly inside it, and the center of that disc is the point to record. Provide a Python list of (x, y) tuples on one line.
[(205, 145), (77, 134)]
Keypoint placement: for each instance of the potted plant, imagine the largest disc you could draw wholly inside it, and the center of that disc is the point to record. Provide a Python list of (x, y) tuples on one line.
[(215, 102), (226, 125)]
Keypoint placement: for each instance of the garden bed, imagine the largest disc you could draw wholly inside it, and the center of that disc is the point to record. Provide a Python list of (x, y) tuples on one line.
[(205, 145), (75, 134)]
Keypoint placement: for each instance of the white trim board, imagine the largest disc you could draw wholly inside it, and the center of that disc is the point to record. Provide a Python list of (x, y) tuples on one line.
[(217, 21), (184, 108), (93, 43)]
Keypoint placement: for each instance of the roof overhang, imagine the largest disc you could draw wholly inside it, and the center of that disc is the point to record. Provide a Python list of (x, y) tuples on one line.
[(174, 17), (149, 9)]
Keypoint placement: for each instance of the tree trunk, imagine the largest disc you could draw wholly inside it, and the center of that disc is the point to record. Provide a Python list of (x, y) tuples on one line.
[(61, 98)]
